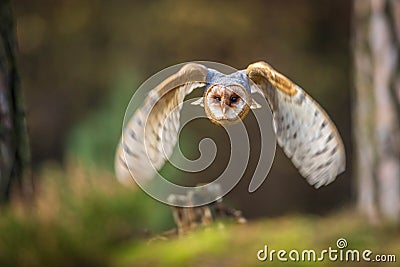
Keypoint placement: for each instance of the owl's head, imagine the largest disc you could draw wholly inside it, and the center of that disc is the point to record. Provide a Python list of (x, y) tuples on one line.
[(226, 104)]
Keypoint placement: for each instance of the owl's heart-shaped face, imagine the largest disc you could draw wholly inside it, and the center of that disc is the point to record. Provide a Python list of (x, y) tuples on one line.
[(303, 129), (226, 104)]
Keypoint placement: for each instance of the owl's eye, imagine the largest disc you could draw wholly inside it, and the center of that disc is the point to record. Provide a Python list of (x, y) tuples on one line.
[(218, 98), (233, 99)]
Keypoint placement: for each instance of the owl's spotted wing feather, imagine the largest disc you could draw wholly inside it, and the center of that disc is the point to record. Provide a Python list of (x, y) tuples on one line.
[(151, 134), (304, 130)]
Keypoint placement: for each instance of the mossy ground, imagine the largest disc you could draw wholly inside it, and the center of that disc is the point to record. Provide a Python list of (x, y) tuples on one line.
[(85, 218), (226, 244)]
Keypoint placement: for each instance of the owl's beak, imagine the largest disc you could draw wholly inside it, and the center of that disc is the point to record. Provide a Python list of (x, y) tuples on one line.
[(225, 104), (224, 109)]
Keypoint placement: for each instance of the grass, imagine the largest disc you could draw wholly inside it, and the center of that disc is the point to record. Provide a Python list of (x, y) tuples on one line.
[(78, 217), (85, 218), (237, 245)]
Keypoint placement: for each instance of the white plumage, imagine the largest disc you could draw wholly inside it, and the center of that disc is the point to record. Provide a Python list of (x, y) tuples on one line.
[(304, 130)]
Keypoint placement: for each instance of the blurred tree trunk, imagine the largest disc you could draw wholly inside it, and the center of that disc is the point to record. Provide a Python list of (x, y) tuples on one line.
[(14, 148), (376, 44)]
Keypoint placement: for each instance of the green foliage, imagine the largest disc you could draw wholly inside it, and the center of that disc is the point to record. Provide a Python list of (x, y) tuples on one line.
[(77, 221), (85, 218), (94, 140), (237, 245)]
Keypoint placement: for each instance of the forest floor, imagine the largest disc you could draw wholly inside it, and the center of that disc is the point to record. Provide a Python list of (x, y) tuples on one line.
[(86, 218), (228, 244)]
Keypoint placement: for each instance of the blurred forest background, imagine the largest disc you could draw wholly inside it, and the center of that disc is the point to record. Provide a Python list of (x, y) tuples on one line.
[(81, 61)]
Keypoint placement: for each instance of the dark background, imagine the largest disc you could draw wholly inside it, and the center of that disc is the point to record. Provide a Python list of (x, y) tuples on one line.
[(81, 61)]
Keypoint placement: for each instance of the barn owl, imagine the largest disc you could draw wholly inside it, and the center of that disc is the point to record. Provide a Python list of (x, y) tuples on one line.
[(303, 129)]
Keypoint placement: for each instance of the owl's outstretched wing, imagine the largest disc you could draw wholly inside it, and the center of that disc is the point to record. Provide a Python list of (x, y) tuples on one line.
[(304, 130), (151, 133)]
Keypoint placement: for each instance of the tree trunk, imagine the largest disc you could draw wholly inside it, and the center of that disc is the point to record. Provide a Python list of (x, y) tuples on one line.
[(376, 39), (14, 148)]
